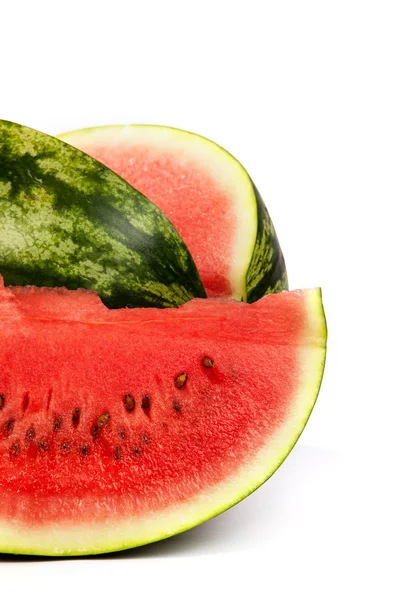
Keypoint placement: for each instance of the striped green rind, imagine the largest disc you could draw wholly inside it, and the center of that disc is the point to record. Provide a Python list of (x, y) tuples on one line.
[(257, 263), (67, 220), (267, 271)]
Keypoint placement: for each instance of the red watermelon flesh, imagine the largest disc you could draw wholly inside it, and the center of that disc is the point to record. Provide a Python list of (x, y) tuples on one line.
[(120, 427)]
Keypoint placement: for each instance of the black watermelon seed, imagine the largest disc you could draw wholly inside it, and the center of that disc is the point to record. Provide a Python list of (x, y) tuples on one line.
[(76, 416), (95, 431), (43, 446), (84, 450), (65, 447), (207, 362), (57, 423), (8, 427), (176, 406), (145, 438), (117, 452), (14, 450), (129, 402), (31, 434), (181, 380), (2, 401), (146, 402), (136, 450), (103, 419)]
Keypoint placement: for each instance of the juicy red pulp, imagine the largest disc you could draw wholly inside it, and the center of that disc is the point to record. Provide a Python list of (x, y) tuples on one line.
[(118, 412)]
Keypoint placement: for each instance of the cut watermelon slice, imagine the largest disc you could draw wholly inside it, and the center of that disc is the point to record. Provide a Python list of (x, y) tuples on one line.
[(207, 195), (122, 427), (67, 220)]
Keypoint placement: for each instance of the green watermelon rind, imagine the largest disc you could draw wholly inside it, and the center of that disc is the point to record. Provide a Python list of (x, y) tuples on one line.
[(258, 263), (68, 220), (267, 270), (115, 536)]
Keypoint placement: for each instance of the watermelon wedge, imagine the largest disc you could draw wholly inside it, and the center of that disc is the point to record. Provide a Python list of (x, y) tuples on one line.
[(68, 220), (208, 196), (122, 427)]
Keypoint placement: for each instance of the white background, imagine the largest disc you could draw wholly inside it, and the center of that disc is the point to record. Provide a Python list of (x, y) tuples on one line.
[(306, 94)]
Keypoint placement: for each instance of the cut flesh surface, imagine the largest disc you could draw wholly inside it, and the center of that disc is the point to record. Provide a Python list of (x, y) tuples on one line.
[(208, 196), (122, 427)]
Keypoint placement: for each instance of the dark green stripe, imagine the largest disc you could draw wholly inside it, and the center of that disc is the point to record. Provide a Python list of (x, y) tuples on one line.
[(267, 271), (65, 219)]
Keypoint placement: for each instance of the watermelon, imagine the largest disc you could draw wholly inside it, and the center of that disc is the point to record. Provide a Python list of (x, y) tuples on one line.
[(208, 196), (122, 427), (68, 220)]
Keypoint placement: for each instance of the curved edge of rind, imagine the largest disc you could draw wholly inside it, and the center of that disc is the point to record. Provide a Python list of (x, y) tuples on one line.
[(267, 270), (216, 502), (256, 249)]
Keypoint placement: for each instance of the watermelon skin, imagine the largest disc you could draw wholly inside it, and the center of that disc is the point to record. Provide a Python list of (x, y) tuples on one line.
[(267, 271), (203, 446), (68, 220), (208, 196)]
